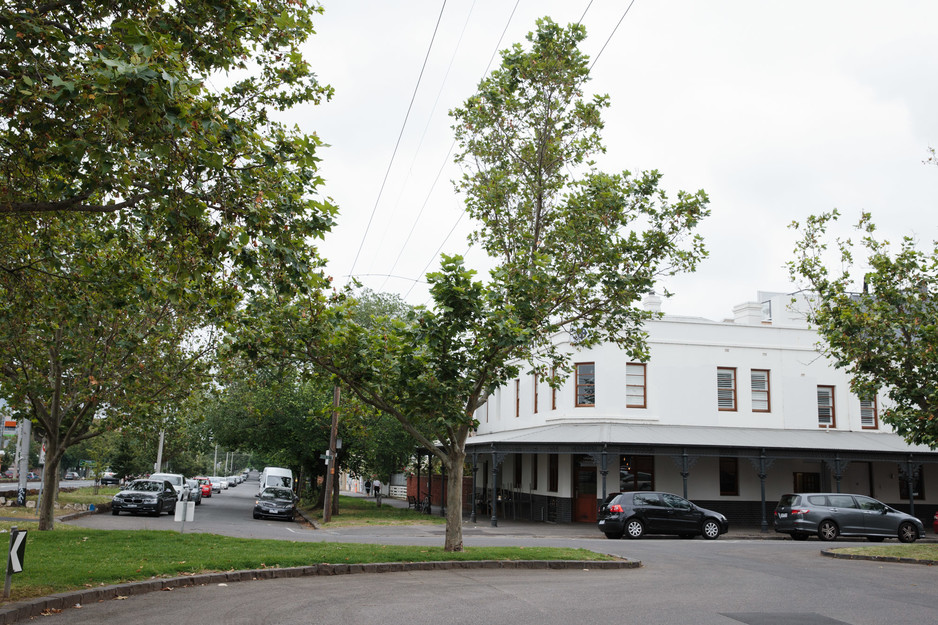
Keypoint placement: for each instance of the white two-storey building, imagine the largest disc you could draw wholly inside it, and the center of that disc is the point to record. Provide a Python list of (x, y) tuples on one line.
[(731, 414)]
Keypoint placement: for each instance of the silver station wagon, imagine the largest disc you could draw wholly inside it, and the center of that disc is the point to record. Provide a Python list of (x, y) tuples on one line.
[(829, 515)]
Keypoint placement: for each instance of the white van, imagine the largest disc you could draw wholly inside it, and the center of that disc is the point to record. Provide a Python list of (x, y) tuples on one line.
[(275, 476), (178, 482)]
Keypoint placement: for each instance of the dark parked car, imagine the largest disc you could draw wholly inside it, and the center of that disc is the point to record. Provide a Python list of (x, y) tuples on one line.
[(829, 515), (637, 513), (277, 502), (109, 477), (934, 524), (150, 496)]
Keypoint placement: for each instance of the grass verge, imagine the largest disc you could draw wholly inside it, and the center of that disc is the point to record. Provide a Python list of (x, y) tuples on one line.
[(72, 558), (915, 551)]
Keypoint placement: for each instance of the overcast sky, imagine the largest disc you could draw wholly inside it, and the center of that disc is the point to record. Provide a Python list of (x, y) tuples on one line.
[(777, 110)]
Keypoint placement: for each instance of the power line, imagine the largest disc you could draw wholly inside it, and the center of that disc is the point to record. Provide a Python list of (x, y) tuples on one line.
[(452, 145), (426, 200), (399, 136), (626, 12)]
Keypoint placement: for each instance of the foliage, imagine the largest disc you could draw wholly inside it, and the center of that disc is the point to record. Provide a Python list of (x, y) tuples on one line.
[(885, 334), (574, 249), (139, 202)]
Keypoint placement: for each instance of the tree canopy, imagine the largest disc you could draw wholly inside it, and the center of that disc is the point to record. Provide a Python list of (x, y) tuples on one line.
[(144, 187), (878, 316), (574, 248)]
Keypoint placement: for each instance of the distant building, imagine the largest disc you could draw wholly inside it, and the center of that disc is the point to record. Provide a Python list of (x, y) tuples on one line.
[(731, 414)]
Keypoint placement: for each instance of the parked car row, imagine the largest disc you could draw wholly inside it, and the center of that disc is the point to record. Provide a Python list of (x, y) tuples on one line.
[(801, 515), (160, 492)]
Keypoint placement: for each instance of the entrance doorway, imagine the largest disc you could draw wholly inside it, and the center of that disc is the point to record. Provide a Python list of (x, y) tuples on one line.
[(585, 504)]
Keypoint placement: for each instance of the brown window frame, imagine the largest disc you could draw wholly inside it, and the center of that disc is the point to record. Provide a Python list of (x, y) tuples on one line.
[(768, 390), (644, 386), (833, 423), (553, 391), (732, 390), (875, 425), (577, 385), (535, 393), (517, 398)]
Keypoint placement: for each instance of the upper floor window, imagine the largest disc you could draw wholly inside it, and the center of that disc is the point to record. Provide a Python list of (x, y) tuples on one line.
[(553, 391), (635, 385), (760, 390), (868, 416), (825, 407), (726, 388), (517, 398), (535, 393), (585, 384)]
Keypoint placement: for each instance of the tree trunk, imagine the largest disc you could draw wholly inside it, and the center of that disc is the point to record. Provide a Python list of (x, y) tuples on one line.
[(455, 464), (50, 488)]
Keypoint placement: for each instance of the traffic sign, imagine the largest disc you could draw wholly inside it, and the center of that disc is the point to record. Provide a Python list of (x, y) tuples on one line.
[(17, 551)]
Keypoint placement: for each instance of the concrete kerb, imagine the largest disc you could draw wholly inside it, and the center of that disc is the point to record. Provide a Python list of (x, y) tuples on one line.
[(831, 553), (60, 601)]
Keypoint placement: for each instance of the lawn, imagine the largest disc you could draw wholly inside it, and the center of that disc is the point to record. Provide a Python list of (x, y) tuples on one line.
[(917, 551), (71, 558)]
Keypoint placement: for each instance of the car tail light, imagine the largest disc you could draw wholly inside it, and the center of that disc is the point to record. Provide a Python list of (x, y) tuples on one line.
[(800, 510), (615, 508)]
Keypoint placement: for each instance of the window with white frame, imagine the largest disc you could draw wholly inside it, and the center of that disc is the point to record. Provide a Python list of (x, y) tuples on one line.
[(726, 388), (868, 416), (635, 385), (761, 402), (825, 407)]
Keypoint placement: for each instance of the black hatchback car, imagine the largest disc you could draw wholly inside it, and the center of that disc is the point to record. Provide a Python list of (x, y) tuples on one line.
[(637, 513), (150, 496)]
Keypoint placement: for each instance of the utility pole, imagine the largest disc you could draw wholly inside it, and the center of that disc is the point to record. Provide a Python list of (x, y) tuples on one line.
[(159, 454), (330, 457)]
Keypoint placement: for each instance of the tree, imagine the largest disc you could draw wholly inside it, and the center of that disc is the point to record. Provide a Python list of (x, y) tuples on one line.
[(883, 332), (571, 253), (138, 203)]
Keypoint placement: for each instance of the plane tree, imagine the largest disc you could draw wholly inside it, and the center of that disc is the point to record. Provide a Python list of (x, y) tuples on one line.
[(876, 308), (574, 248), (145, 186)]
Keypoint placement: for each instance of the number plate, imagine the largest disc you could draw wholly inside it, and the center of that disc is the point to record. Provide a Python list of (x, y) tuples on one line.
[(782, 515), (603, 522)]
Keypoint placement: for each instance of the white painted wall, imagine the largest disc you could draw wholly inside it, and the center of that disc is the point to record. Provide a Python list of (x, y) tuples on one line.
[(681, 379)]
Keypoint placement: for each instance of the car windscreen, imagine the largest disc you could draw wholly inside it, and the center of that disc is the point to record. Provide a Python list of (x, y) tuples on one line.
[(146, 485), (279, 480), (277, 493), (787, 501)]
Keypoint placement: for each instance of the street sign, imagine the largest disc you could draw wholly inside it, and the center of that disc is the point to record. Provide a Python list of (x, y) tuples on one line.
[(14, 558), (17, 551)]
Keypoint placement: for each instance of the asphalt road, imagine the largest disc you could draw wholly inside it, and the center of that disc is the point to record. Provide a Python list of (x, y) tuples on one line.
[(691, 582)]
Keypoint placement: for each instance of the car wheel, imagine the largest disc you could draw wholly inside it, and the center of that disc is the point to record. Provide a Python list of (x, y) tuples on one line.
[(613, 535), (159, 509), (711, 529), (634, 528), (115, 512), (907, 533), (827, 530), (799, 536), (257, 516), (875, 539)]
